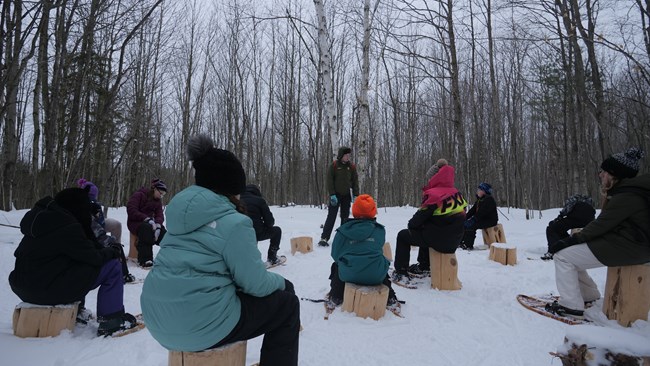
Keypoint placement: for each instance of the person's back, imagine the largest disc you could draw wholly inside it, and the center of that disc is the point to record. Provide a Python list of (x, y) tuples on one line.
[(257, 208), (208, 244), (209, 287), (260, 213), (358, 251), (55, 262)]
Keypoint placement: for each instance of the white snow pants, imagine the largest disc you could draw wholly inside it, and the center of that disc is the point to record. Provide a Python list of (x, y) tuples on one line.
[(573, 283)]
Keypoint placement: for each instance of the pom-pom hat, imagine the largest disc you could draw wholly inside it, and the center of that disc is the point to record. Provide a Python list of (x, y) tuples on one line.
[(364, 207), (623, 165)]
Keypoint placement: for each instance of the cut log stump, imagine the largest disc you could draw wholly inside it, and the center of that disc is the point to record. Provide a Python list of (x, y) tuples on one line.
[(302, 244), (505, 254), (31, 320), (233, 354), (627, 293), (494, 234), (365, 301), (388, 252), (133, 249), (444, 271)]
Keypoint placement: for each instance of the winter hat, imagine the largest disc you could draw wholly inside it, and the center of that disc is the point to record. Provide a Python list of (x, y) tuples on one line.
[(485, 187), (93, 193), (435, 167), (214, 168), (623, 165), (76, 201), (364, 207), (342, 151), (159, 185)]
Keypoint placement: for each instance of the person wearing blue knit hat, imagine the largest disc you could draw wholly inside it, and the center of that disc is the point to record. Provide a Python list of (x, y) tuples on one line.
[(482, 215)]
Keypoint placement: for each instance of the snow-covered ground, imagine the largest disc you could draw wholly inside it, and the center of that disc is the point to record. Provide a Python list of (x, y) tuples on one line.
[(482, 324)]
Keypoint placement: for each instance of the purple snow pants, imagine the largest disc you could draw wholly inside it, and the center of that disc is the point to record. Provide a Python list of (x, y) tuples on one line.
[(110, 297)]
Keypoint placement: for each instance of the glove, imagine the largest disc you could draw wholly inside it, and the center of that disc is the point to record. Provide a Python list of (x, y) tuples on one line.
[(288, 286), (109, 253), (562, 244), (156, 234), (152, 223), (469, 223), (334, 200)]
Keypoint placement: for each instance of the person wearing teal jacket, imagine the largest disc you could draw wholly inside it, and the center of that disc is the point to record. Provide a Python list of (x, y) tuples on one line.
[(358, 252), (208, 286)]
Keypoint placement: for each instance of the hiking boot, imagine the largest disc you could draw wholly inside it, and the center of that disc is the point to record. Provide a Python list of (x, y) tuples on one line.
[(416, 271), (128, 278), (146, 264), (270, 262), (555, 308), (323, 243), (115, 323), (401, 277), (547, 256), (83, 315)]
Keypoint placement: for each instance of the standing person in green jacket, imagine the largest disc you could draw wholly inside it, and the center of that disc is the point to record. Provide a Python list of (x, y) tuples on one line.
[(341, 178), (358, 252), (209, 286), (619, 236)]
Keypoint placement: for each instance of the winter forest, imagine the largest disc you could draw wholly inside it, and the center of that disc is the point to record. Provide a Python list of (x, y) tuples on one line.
[(527, 95)]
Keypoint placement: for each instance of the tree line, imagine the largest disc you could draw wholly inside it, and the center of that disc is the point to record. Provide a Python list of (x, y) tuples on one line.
[(527, 95)]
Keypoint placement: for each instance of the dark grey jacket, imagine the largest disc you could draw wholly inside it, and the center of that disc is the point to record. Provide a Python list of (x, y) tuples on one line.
[(619, 236)]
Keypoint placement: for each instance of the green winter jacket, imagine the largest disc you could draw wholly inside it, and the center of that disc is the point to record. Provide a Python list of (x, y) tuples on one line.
[(619, 236), (341, 177), (358, 251), (209, 252)]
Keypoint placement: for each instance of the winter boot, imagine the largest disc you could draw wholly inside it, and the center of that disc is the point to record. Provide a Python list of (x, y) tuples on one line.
[(323, 243), (83, 315), (115, 323), (547, 256), (555, 308), (415, 270)]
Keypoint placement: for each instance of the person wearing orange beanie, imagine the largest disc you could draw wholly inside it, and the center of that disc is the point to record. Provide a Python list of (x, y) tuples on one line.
[(357, 250)]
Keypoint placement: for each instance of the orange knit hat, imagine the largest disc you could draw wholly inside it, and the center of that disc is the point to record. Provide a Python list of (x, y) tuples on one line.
[(364, 207)]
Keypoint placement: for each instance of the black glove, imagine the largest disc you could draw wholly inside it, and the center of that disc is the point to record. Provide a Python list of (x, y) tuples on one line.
[(109, 253), (562, 244), (288, 286)]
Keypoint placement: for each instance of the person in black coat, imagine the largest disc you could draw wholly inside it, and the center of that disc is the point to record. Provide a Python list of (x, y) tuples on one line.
[(481, 216), (59, 262), (258, 210), (577, 212)]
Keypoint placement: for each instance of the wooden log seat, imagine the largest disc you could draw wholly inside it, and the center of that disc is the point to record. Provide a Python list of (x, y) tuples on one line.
[(302, 244), (31, 320), (365, 301), (627, 293), (444, 271), (233, 354), (505, 254), (494, 234)]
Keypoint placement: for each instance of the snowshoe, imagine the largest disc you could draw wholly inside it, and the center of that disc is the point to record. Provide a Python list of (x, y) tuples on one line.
[(116, 323)]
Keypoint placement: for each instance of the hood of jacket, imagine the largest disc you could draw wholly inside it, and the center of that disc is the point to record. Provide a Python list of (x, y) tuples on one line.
[(194, 207), (46, 217), (440, 187), (358, 229), (253, 189), (640, 181)]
